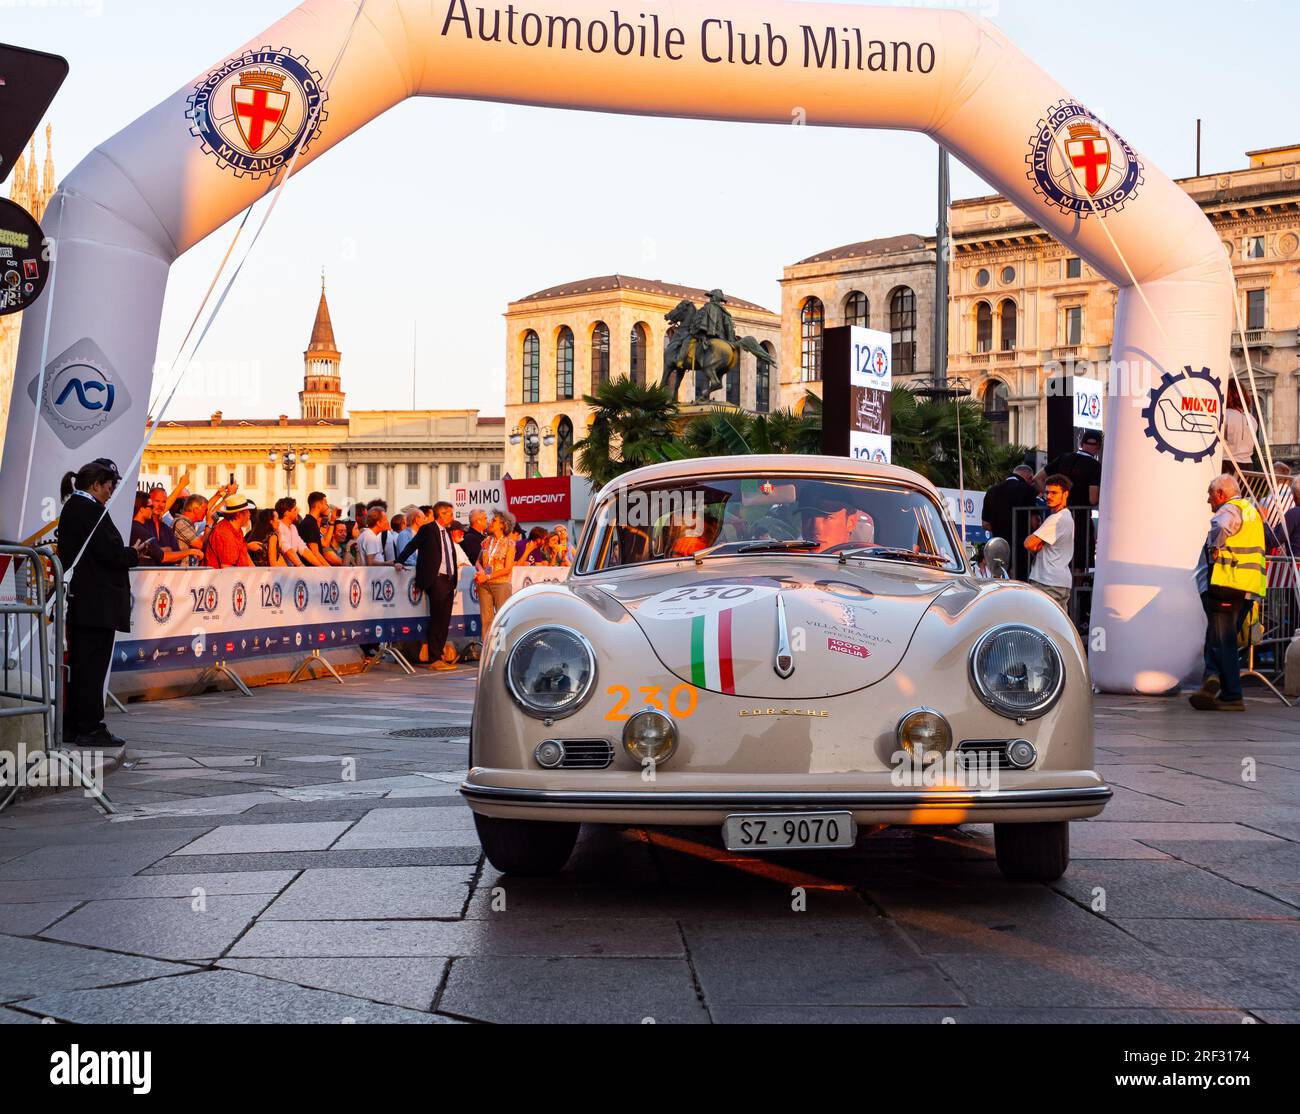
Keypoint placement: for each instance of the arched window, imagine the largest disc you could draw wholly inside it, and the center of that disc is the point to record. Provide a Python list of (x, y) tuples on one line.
[(532, 367), (763, 381), (856, 310), (997, 410), (902, 328), (983, 327), (564, 363), (811, 320), (733, 384), (564, 447), (637, 354), (599, 355), (1007, 316)]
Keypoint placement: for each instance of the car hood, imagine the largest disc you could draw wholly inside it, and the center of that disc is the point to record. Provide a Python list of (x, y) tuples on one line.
[(848, 626)]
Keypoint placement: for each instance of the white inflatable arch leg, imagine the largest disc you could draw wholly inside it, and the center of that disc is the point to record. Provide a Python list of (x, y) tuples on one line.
[(180, 171)]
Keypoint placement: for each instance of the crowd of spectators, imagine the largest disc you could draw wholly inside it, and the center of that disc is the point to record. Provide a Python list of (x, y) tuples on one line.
[(226, 529)]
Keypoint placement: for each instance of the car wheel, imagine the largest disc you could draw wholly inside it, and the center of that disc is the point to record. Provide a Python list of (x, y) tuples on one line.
[(1033, 852), (526, 847)]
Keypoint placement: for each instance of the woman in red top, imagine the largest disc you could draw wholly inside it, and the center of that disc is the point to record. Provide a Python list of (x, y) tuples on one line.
[(225, 546)]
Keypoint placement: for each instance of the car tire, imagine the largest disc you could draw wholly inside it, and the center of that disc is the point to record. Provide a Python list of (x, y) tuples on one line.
[(527, 848), (1033, 852)]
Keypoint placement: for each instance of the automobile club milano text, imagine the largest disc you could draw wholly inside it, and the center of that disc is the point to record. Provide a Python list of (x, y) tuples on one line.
[(716, 40)]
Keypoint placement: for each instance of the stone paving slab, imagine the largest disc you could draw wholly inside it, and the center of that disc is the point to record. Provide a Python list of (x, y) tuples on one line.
[(33, 967), (572, 991), (816, 963), (969, 1015), (375, 893), (305, 860), (412, 983), (28, 919), (1164, 890), (176, 885), (191, 929), (93, 860), (250, 839), (507, 935), (220, 997), (1065, 981)]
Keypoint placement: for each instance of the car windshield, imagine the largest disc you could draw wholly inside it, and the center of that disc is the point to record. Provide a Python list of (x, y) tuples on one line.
[(755, 515)]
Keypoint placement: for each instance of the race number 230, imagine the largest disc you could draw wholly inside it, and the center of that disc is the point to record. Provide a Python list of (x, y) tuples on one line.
[(680, 701)]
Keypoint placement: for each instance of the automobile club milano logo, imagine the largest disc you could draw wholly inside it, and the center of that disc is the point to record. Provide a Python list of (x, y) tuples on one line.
[(1079, 165), (239, 598), (254, 111), (301, 596), (162, 605), (354, 593)]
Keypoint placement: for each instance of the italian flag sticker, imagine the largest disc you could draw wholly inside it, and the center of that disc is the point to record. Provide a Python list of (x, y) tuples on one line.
[(711, 652)]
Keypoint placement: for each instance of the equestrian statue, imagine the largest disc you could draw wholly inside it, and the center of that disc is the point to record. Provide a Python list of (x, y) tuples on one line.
[(705, 340)]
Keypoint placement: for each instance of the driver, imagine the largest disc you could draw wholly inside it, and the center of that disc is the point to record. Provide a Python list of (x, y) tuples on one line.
[(828, 515)]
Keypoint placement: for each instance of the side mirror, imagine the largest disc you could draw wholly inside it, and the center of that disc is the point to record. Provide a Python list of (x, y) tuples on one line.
[(997, 556)]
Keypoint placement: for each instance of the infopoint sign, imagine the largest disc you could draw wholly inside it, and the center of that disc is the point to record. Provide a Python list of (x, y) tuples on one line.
[(218, 143)]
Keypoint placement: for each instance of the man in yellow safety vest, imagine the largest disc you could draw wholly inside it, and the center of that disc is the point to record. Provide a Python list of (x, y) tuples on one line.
[(1230, 576)]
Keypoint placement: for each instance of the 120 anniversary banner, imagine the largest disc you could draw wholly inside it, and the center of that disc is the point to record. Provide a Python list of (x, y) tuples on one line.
[(187, 617)]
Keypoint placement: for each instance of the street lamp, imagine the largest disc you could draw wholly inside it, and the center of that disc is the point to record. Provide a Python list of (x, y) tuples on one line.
[(288, 459), (532, 446)]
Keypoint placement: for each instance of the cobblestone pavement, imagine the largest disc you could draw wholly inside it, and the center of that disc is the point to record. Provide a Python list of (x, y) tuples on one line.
[(293, 857)]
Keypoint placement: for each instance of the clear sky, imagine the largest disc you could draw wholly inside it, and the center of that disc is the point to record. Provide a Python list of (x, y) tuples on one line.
[(444, 211)]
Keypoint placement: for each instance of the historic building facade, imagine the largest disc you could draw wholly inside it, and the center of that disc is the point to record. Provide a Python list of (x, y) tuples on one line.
[(885, 284), (563, 341), (402, 456), (33, 193)]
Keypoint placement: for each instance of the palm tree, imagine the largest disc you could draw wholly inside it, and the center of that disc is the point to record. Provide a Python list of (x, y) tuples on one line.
[(725, 431), (925, 440), (631, 426)]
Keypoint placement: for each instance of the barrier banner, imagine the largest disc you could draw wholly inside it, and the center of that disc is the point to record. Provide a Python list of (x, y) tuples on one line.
[(196, 617)]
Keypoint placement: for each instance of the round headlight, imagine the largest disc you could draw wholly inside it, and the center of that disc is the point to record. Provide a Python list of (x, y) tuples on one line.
[(1017, 671), (650, 736), (551, 672), (923, 732)]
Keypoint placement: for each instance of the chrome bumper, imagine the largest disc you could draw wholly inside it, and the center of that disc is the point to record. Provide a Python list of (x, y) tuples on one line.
[(691, 800)]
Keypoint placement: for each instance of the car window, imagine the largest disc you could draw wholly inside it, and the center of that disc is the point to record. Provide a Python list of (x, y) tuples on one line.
[(721, 516)]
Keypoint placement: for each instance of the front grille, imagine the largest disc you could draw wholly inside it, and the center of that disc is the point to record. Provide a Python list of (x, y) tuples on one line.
[(586, 754), (992, 751)]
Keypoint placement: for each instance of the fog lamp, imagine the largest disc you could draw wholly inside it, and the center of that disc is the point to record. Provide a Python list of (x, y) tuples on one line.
[(924, 732), (549, 754), (650, 736)]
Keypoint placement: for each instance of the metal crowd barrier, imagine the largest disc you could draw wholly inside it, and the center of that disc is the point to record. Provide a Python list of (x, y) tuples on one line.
[(32, 675), (1279, 618)]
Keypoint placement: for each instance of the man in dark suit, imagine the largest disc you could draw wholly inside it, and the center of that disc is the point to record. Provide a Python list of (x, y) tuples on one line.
[(435, 576), (96, 561), (1005, 516), (473, 541)]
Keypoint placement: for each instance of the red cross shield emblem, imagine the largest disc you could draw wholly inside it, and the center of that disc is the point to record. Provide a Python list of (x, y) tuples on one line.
[(258, 113), (1088, 152)]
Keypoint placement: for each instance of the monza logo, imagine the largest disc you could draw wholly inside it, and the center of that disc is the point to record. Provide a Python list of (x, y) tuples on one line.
[(1183, 415), (163, 604), (81, 393), (254, 111), (239, 598), (1079, 165), (301, 596)]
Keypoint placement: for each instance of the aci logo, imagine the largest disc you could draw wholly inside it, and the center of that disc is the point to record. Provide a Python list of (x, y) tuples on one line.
[(1077, 164), (81, 393), (252, 113)]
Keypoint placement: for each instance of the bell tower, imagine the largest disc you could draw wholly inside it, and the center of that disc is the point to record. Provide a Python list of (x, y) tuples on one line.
[(322, 390)]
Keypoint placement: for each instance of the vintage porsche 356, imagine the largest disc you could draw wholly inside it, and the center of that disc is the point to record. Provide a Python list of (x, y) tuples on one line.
[(787, 648)]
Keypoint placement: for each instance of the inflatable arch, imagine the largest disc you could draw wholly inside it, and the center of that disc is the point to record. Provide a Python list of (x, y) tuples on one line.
[(214, 147)]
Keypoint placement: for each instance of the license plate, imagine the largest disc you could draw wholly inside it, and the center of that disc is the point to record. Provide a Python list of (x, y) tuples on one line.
[(789, 831)]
